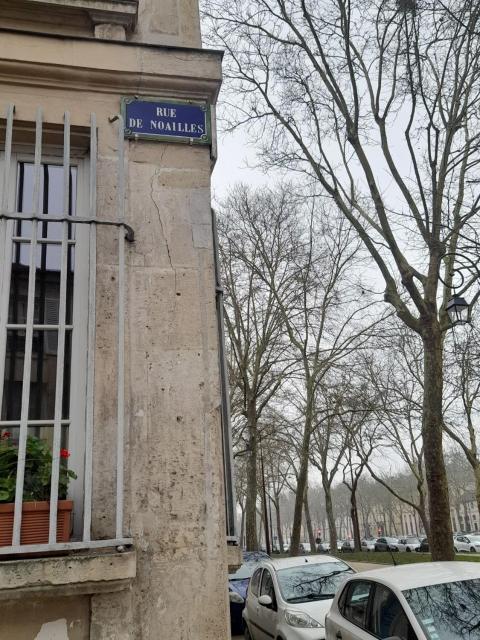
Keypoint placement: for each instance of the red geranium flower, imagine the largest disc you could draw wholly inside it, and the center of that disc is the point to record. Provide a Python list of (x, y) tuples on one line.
[(64, 453), (6, 434)]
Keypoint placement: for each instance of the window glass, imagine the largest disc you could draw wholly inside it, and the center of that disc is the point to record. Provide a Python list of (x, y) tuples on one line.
[(310, 582), (448, 611), (388, 619), (267, 585), (356, 603), (255, 582), (47, 280)]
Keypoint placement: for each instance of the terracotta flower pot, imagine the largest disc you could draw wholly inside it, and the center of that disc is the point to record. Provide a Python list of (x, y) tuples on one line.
[(35, 522)]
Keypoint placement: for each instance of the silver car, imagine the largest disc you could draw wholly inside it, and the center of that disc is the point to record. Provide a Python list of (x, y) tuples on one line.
[(288, 598), (425, 601)]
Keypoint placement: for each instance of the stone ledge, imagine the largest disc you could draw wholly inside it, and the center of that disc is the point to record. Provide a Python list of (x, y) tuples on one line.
[(121, 12), (94, 572), (234, 557)]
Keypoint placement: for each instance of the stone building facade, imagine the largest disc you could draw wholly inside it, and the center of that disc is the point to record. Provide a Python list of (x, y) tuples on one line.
[(110, 336)]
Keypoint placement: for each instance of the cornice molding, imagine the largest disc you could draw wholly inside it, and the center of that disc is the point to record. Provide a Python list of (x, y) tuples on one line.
[(114, 82), (121, 69)]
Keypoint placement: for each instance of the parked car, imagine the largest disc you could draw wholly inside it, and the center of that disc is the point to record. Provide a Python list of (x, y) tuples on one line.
[(289, 597), (348, 546), (339, 544), (368, 544), (323, 547), (424, 546), (386, 544), (238, 585), (409, 543), (469, 543), (425, 601)]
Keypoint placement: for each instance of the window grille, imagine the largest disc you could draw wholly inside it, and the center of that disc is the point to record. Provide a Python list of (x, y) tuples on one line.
[(23, 231)]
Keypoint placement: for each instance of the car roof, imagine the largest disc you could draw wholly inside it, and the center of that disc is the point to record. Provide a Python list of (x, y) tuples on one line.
[(422, 574), (298, 561)]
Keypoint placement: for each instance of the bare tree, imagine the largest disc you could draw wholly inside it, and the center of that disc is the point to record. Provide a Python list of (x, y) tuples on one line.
[(254, 328), (322, 319), (377, 104), (397, 379), (462, 418)]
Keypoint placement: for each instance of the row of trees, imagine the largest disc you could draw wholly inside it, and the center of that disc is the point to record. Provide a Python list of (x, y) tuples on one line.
[(375, 107), (379, 511), (324, 379)]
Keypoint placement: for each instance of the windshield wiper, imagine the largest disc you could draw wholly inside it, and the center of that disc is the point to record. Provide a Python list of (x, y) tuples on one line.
[(312, 596)]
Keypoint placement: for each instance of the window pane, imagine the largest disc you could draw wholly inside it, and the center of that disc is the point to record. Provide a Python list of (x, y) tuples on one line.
[(43, 375), (356, 603), (388, 616), (267, 585), (51, 198), (12, 388), (448, 611)]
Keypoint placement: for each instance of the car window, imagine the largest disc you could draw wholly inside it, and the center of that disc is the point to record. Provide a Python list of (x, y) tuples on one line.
[(449, 611), (388, 618), (312, 581), (356, 603), (267, 585), (255, 582), (381, 540)]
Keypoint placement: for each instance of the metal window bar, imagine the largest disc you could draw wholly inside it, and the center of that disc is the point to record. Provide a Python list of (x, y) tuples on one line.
[(9, 235)]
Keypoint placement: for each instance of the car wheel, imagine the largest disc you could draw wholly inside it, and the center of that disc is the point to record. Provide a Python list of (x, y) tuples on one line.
[(408, 550), (472, 549)]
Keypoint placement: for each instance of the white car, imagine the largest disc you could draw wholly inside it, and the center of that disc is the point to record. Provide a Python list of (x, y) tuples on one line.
[(409, 543), (469, 543), (288, 598), (424, 601), (368, 544)]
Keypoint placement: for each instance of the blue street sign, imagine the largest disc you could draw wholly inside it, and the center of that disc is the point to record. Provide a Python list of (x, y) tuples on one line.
[(167, 120)]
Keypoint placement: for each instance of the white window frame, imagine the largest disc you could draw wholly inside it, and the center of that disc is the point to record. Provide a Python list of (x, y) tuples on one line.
[(80, 319)]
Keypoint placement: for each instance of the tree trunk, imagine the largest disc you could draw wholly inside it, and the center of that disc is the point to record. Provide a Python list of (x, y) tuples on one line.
[(476, 471), (251, 539), (308, 520), (441, 539), (242, 526), (276, 503), (332, 530), (354, 516), (422, 514), (301, 484)]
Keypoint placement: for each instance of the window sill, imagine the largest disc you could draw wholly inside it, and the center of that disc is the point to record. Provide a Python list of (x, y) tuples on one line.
[(86, 573), (118, 12), (234, 557)]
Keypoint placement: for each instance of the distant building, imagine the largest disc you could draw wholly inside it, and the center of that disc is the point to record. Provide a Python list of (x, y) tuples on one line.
[(464, 513), (110, 324)]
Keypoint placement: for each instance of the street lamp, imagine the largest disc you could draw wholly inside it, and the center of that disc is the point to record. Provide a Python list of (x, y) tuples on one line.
[(457, 309)]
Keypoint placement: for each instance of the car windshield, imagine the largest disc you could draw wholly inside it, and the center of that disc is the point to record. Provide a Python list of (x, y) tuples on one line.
[(448, 611), (312, 581)]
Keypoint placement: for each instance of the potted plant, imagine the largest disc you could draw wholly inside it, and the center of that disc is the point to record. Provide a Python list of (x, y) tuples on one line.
[(36, 492)]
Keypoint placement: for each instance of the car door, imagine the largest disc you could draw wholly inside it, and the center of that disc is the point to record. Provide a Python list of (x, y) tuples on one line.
[(381, 544), (387, 618), (351, 621), (267, 615), (251, 607), (461, 543)]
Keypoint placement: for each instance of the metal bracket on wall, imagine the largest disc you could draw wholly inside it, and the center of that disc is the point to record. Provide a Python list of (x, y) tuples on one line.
[(129, 232)]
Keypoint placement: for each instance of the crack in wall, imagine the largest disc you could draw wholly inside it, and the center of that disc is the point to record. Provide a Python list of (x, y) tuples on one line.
[(163, 229)]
